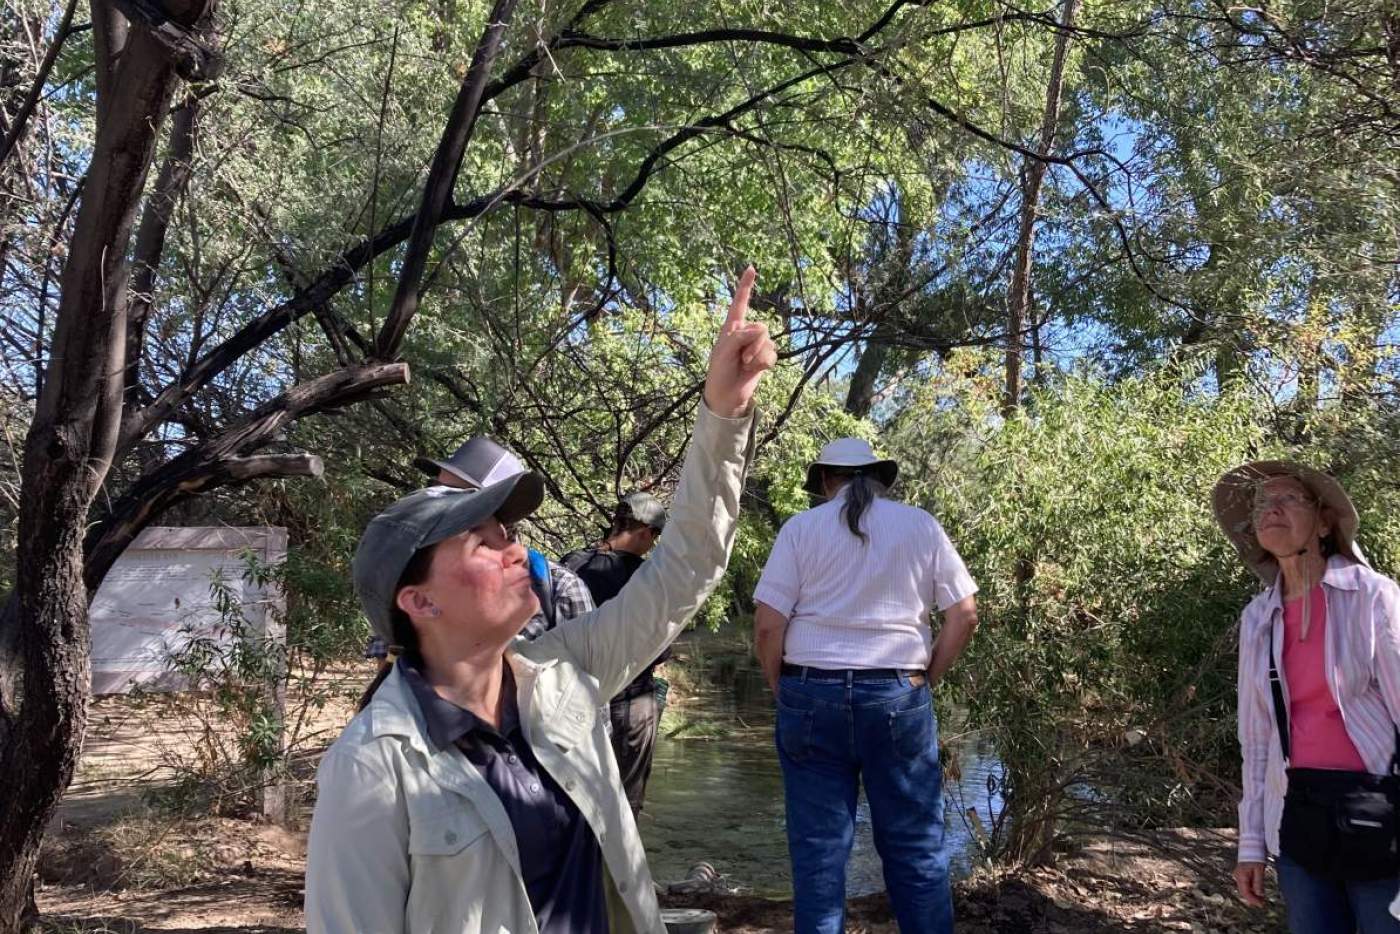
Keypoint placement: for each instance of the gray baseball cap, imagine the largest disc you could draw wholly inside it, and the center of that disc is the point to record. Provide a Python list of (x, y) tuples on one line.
[(425, 518), (479, 462), (645, 508)]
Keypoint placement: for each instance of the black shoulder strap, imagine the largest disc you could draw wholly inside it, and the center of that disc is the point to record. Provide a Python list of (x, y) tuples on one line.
[(1280, 709)]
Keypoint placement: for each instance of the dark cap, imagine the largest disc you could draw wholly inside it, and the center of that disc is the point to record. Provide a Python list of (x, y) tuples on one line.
[(479, 462), (645, 508), (425, 518)]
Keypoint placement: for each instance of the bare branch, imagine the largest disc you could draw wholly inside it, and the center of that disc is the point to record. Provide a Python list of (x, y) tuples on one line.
[(36, 90), (150, 237), (209, 464), (1034, 175), (437, 190), (243, 469)]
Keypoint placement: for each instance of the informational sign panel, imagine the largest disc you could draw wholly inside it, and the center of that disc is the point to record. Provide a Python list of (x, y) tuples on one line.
[(159, 596)]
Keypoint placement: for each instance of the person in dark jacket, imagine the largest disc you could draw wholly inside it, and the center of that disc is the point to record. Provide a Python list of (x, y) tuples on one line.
[(604, 569)]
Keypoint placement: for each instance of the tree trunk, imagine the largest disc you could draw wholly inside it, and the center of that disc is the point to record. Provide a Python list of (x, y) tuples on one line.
[(860, 398), (1018, 298), (44, 639), (1229, 360)]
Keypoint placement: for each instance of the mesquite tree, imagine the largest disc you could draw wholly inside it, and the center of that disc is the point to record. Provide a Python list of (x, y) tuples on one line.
[(82, 421), (132, 417)]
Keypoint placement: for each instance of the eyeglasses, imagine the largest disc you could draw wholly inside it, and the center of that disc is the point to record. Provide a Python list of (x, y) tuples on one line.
[(1263, 504)]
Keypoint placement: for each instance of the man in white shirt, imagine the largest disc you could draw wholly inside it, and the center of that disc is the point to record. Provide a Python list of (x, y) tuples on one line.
[(843, 633)]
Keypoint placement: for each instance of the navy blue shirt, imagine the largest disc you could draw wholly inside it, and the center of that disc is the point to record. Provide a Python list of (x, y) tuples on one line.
[(559, 856)]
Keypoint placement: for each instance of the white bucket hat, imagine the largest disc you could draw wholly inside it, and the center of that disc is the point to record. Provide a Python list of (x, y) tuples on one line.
[(1233, 501), (849, 453)]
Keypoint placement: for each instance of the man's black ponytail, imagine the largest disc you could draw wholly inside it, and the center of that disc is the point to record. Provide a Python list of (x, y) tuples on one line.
[(861, 491)]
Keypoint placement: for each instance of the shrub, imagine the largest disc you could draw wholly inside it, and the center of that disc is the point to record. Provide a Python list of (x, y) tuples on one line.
[(1104, 666)]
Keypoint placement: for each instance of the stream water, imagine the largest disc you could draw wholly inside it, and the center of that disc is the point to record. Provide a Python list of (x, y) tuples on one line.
[(720, 799)]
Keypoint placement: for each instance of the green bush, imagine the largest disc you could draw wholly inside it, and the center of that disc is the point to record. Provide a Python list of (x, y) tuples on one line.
[(1104, 666)]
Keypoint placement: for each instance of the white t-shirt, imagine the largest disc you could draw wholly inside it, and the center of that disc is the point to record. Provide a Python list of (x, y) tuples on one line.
[(862, 605)]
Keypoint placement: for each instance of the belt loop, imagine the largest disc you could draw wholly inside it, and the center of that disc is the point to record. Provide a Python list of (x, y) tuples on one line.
[(903, 677), (850, 678), (805, 669)]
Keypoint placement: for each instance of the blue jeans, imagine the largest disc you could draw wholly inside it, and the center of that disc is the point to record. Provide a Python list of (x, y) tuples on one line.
[(1322, 906), (832, 733)]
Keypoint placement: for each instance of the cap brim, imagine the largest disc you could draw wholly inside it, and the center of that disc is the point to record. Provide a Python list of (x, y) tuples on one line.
[(510, 500), (433, 468), (886, 471)]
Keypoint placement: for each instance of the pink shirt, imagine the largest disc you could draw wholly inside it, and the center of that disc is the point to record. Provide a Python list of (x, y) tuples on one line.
[(1361, 649), (1317, 737)]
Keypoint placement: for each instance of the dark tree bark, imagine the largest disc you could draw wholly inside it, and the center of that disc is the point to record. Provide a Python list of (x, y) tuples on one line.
[(860, 397), (44, 639), (224, 460), (150, 239), (437, 192), (1018, 298)]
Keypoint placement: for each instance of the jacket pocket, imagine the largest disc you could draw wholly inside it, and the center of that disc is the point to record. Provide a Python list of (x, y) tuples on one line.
[(573, 723), (444, 831)]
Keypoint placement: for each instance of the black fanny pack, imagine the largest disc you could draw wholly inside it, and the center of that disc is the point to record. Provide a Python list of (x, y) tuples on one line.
[(1336, 824)]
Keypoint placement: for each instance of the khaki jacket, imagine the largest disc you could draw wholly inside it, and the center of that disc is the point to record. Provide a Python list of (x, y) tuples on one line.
[(407, 837)]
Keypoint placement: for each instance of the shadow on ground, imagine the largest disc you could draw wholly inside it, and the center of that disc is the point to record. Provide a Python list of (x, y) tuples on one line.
[(256, 901), (63, 925), (1016, 907)]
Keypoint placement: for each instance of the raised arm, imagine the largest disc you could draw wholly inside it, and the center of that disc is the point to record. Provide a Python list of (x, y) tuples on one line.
[(623, 635)]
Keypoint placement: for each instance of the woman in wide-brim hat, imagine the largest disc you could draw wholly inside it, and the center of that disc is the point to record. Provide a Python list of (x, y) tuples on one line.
[(1330, 627)]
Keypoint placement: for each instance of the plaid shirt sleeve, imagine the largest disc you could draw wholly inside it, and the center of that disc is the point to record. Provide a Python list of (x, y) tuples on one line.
[(571, 596)]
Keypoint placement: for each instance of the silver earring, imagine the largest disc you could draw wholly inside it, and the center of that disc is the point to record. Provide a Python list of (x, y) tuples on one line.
[(435, 611)]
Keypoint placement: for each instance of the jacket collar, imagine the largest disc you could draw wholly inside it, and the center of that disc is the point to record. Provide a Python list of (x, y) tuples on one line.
[(446, 722), (1341, 574), (396, 712)]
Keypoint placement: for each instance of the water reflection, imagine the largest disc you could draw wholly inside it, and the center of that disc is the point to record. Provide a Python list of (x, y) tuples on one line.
[(720, 800)]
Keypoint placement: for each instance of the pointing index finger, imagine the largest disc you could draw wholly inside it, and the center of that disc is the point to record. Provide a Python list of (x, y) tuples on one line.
[(740, 306)]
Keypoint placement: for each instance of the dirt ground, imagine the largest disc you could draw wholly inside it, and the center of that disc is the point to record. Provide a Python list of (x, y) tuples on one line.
[(240, 877), (111, 865)]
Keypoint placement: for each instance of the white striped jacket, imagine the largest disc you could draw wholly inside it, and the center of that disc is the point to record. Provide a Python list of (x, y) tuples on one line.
[(1363, 672)]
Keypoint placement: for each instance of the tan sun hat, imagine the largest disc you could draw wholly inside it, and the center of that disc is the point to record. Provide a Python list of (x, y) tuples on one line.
[(1233, 501), (853, 453)]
